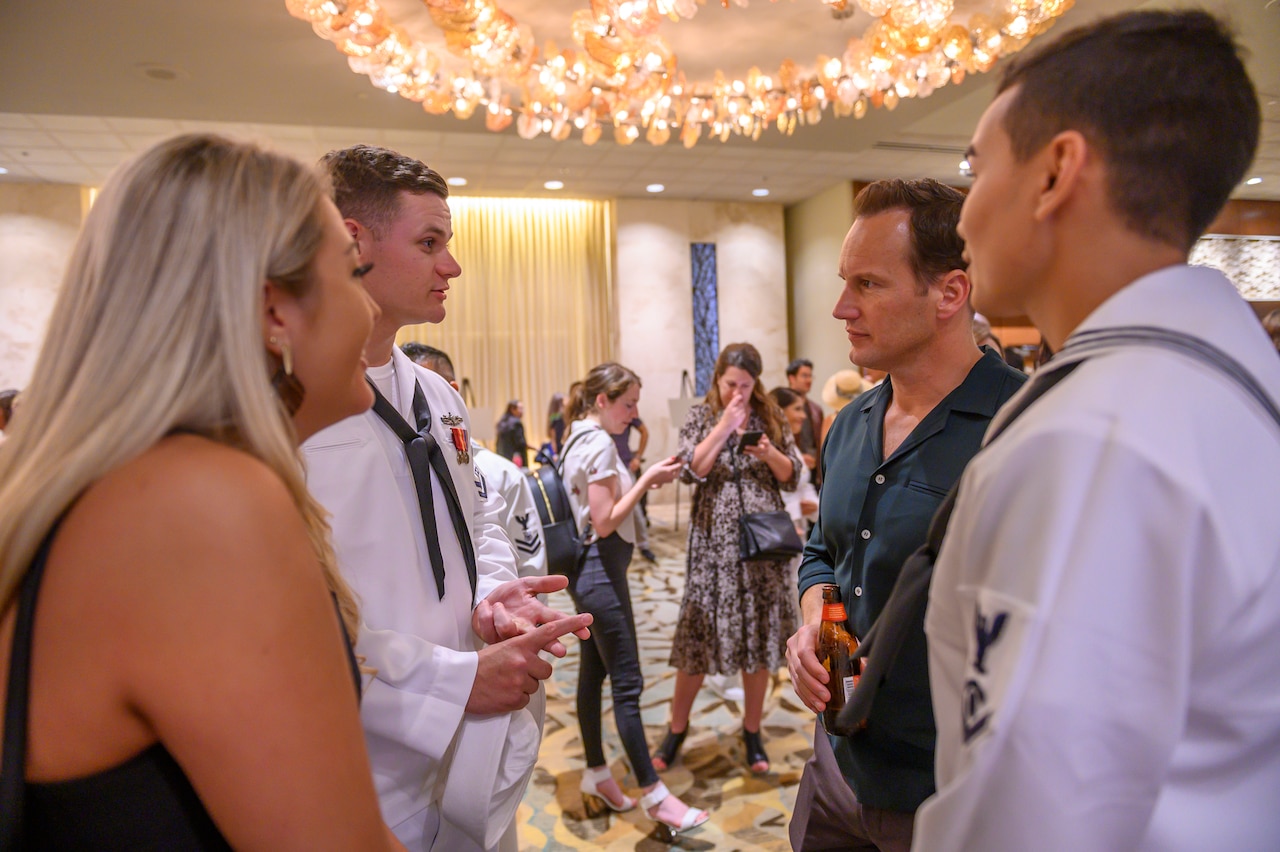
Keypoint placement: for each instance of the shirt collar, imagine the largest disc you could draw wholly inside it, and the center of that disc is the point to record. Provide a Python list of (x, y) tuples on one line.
[(578, 427), (979, 393)]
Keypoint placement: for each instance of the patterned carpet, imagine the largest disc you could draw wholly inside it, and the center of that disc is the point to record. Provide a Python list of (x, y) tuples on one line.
[(749, 813)]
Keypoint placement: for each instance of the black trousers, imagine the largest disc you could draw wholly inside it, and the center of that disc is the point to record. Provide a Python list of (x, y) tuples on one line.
[(600, 588)]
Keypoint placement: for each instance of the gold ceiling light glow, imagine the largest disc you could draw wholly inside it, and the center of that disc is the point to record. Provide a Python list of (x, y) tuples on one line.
[(623, 74)]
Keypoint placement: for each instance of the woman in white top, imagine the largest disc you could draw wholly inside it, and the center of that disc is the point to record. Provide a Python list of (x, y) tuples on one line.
[(604, 496)]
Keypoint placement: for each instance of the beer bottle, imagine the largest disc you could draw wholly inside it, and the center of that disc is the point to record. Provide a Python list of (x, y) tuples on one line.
[(836, 647)]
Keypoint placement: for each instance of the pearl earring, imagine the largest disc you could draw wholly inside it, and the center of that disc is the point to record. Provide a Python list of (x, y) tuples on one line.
[(286, 385)]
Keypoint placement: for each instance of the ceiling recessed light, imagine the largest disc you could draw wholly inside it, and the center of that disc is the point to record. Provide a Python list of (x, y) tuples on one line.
[(457, 181), (554, 184), (965, 167), (1254, 181), (760, 193), (654, 187)]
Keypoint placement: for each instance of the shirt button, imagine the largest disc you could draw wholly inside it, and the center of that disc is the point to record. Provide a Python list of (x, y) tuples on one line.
[(879, 479), (866, 534), (857, 591)]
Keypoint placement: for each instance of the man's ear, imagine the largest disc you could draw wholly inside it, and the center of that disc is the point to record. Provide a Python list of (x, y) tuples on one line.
[(1062, 163), (954, 290), (363, 237)]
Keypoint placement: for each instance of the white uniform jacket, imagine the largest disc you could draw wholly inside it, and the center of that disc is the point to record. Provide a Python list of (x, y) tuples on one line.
[(422, 647), (520, 519), (1104, 618)]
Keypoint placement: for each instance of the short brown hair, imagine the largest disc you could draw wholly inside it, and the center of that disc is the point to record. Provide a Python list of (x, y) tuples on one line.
[(367, 182), (1166, 99), (936, 248)]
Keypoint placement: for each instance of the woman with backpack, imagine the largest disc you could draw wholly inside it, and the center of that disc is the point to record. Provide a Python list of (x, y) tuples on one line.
[(603, 495)]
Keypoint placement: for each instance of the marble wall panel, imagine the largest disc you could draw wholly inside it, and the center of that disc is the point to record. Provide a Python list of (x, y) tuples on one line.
[(38, 226), (815, 232), (654, 294), (1252, 263)]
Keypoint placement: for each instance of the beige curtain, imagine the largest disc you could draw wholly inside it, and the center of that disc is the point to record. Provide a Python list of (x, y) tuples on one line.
[(533, 309)]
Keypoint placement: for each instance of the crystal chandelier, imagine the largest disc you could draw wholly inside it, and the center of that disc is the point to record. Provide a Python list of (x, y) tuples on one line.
[(623, 75)]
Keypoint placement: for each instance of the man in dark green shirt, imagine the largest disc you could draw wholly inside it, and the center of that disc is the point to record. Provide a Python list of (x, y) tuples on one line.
[(888, 461)]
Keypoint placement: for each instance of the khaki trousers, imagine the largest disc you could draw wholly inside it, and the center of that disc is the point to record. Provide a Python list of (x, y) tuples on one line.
[(828, 817)]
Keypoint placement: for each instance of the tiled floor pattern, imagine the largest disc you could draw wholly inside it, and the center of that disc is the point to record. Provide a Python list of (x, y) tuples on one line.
[(749, 813)]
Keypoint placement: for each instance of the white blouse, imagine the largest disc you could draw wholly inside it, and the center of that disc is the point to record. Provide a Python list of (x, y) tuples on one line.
[(593, 457)]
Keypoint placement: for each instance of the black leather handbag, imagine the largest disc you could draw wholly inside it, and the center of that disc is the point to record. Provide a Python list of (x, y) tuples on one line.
[(768, 536), (764, 536)]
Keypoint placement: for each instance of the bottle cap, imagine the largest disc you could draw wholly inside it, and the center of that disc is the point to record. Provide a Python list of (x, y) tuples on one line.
[(834, 612)]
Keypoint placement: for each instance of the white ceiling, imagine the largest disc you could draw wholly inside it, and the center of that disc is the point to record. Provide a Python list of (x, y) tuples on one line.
[(75, 100)]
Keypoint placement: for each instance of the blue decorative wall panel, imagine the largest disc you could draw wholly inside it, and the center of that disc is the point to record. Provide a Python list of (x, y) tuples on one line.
[(706, 316)]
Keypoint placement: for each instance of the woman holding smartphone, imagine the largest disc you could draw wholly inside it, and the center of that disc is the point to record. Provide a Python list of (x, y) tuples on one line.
[(735, 616), (604, 496)]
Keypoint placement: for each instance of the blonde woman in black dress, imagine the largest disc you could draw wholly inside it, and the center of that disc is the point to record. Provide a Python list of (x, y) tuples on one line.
[(185, 684)]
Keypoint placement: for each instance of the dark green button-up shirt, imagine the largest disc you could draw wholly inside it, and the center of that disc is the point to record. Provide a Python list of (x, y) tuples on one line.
[(873, 513)]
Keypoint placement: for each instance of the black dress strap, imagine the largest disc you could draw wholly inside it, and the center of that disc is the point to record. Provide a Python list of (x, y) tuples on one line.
[(352, 663), (13, 758)]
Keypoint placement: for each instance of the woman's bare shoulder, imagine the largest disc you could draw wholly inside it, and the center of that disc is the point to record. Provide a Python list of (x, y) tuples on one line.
[(188, 501), (185, 476), (180, 556)]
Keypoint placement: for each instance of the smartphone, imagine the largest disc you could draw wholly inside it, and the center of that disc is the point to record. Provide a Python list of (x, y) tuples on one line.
[(749, 439)]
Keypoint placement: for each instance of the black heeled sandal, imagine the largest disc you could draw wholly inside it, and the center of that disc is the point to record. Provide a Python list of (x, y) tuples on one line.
[(670, 747), (755, 751)]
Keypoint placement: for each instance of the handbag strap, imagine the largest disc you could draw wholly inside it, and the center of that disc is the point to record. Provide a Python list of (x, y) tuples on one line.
[(909, 597), (737, 478)]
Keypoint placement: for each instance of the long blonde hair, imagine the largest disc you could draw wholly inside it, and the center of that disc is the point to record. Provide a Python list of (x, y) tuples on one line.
[(158, 327)]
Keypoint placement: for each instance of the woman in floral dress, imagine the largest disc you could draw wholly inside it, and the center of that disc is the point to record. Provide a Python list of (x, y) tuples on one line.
[(735, 616)]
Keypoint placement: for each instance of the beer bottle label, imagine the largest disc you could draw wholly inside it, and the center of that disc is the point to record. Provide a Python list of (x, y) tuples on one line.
[(849, 683)]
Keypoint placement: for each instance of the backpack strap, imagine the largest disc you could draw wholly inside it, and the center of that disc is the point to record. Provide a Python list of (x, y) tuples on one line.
[(559, 469), (1089, 343)]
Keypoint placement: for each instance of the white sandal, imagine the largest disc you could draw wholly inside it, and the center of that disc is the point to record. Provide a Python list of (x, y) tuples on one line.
[(668, 832), (593, 801)]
